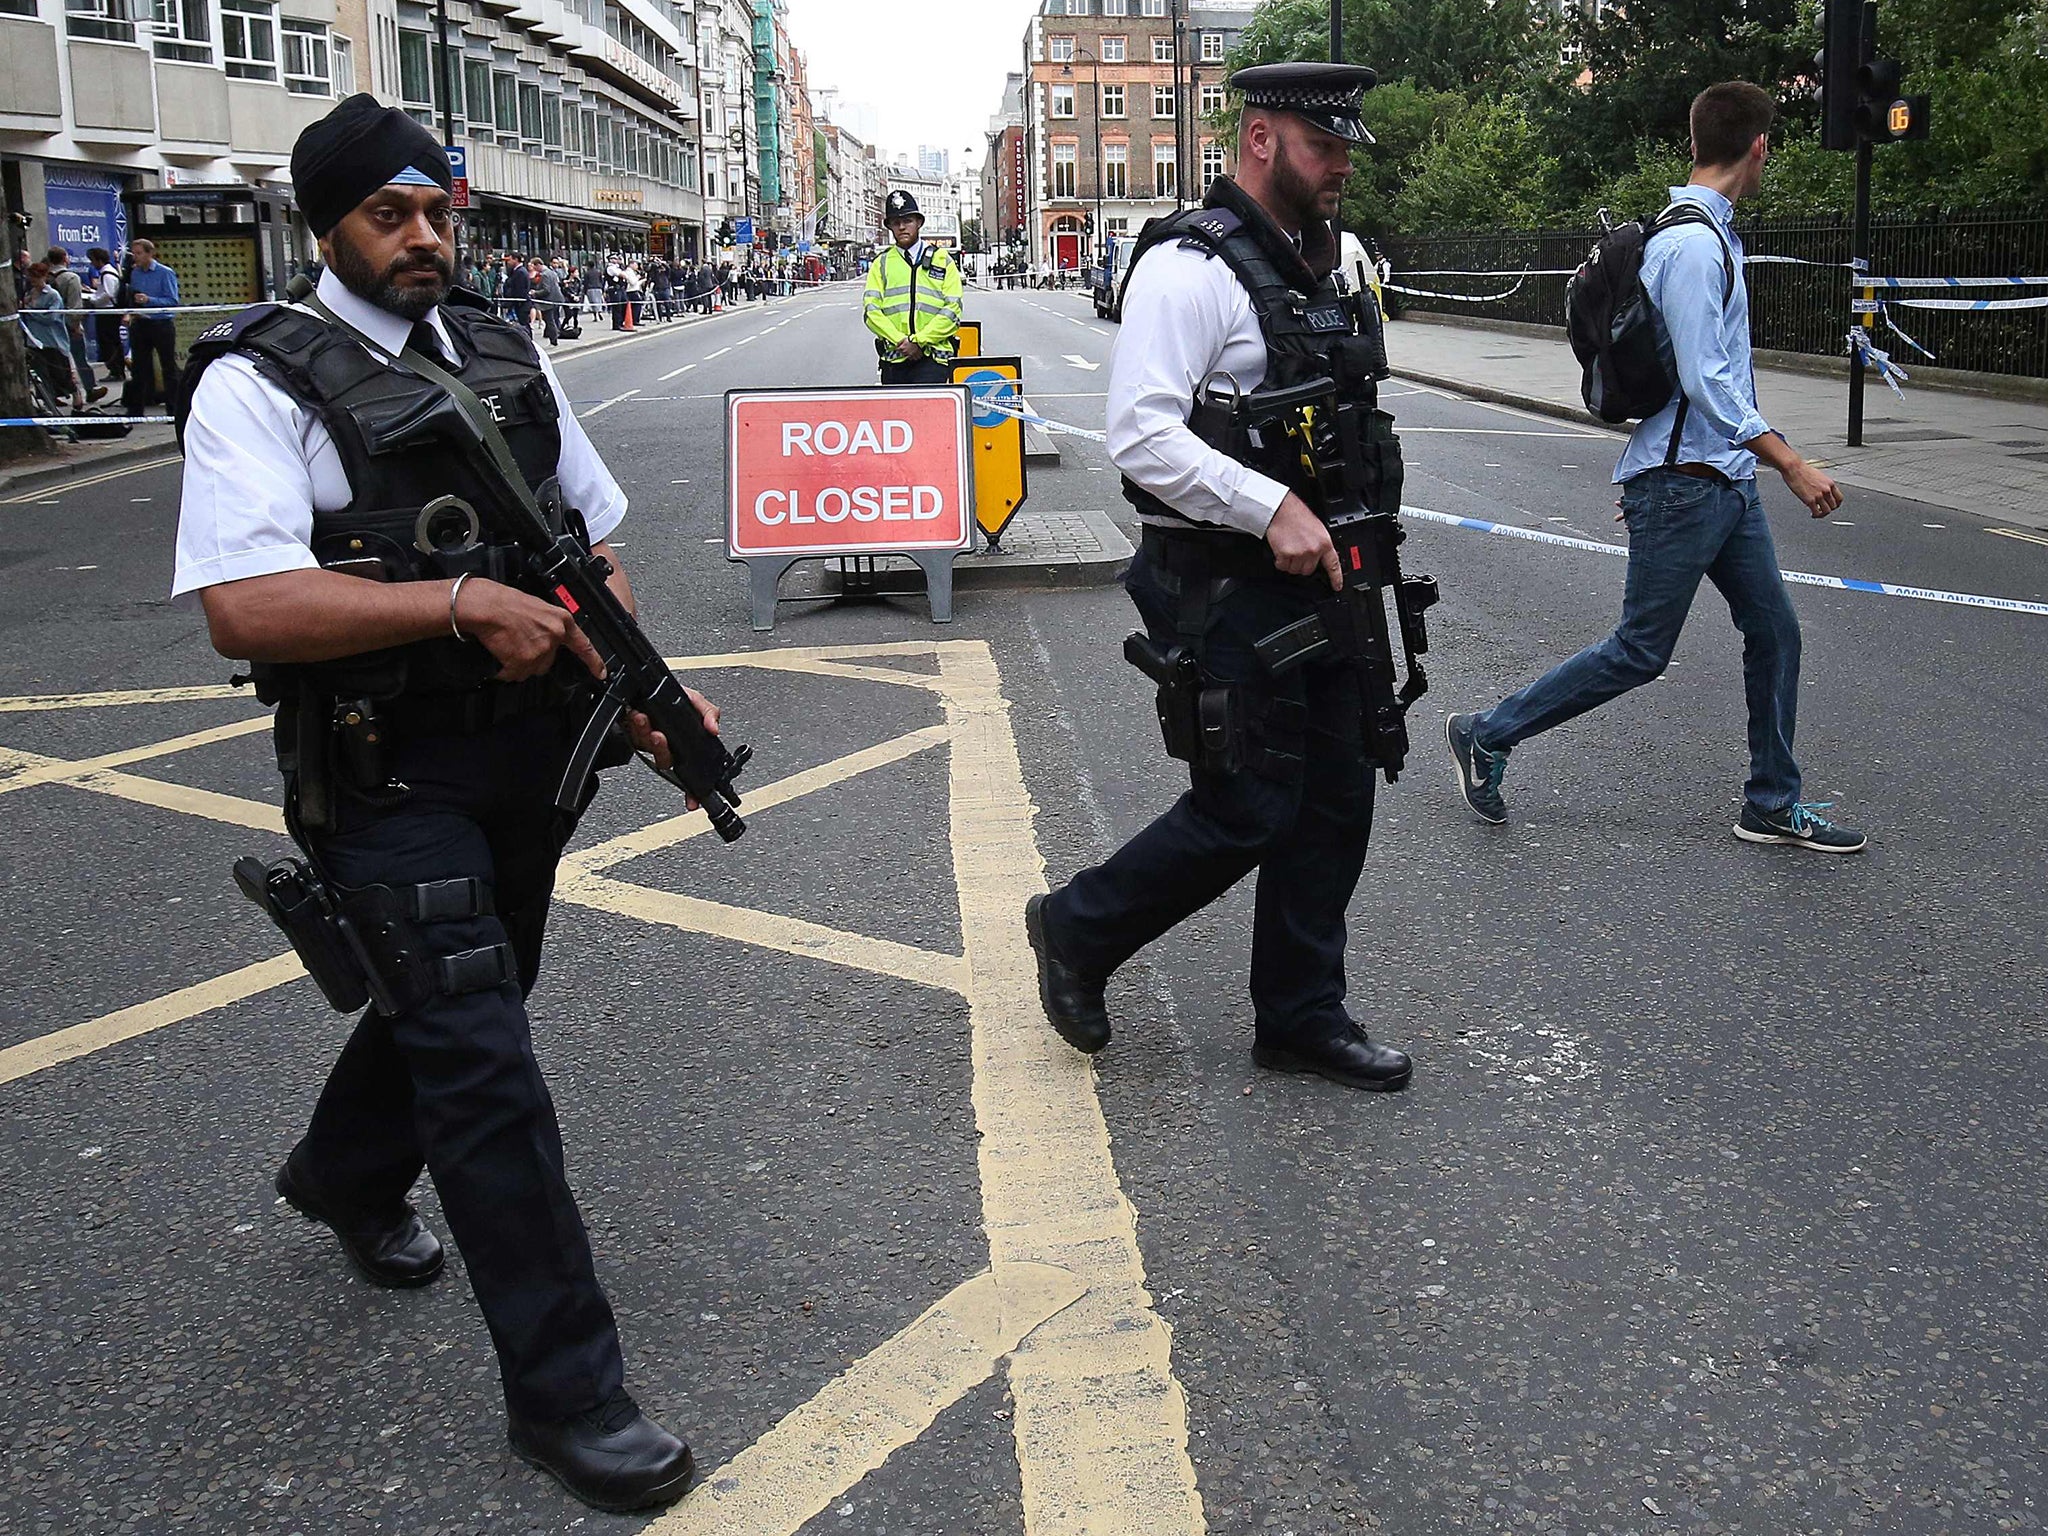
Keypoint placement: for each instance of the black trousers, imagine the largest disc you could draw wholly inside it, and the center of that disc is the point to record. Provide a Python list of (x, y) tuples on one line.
[(1304, 828), (922, 371), (108, 329), (452, 1085), (153, 345)]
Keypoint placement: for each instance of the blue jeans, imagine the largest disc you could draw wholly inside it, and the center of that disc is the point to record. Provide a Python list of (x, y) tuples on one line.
[(1680, 529)]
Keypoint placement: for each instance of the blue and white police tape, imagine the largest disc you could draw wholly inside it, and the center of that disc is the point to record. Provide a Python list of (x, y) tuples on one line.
[(86, 420), (1876, 357), (1470, 298), (1803, 578), (989, 402)]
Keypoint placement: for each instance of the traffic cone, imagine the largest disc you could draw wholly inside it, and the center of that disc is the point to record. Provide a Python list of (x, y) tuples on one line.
[(629, 316)]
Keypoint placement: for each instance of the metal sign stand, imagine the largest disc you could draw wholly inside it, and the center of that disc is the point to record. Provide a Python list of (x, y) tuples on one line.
[(765, 573)]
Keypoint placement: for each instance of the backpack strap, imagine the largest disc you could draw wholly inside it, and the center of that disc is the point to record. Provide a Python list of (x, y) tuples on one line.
[(1692, 213)]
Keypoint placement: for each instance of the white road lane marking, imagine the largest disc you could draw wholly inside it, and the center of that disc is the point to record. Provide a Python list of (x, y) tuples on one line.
[(675, 373), (606, 405)]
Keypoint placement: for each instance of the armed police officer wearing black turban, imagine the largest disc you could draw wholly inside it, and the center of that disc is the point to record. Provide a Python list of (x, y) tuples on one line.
[(428, 702), (1280, 713)]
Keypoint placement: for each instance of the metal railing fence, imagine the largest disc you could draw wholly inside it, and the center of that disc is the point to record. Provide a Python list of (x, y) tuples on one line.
[(1793, 308)]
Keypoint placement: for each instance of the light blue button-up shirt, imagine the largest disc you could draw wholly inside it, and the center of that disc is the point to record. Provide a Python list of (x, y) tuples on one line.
[(1706, 342)]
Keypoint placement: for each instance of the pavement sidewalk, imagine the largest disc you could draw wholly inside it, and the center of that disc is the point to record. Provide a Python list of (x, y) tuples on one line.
[(1946, 447), (68, 461)]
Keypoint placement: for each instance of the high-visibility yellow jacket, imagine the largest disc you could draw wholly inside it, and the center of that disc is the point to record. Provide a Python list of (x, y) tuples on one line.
[(920, 303)]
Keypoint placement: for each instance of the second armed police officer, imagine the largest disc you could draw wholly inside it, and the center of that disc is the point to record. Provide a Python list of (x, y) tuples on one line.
[(913, 302), (1219, 301), (428, 703)]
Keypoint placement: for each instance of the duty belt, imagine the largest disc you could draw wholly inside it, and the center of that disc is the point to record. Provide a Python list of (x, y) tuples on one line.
[(1199, 555), (475, 712)]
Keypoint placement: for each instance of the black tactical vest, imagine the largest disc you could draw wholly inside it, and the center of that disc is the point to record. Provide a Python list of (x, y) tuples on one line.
[(364, 402), (1310, 329)]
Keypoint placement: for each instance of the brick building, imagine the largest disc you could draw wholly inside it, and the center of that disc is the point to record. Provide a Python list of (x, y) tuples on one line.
[(1119, 97)]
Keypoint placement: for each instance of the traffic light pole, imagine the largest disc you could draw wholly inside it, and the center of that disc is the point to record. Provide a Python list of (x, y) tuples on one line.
[(1859, 255)]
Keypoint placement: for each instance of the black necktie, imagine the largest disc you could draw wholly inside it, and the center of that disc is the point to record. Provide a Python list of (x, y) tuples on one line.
[(422, 339)]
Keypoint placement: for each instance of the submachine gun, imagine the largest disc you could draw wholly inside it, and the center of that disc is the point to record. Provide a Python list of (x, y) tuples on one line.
[(563, 566), (1350, 455)]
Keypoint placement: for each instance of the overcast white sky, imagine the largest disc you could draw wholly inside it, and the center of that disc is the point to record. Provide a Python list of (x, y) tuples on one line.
[(932, 69)]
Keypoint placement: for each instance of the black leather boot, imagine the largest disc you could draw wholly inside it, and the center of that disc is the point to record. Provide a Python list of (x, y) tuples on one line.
[(1349, 1058), (1072, 1002), (613, 1457), (400, 1254)]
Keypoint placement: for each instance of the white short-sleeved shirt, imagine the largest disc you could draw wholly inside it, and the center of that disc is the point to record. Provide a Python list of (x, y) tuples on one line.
[(1185, 317), (258, 464)]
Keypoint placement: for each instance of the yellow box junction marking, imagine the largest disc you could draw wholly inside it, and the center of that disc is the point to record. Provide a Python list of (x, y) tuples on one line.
[(1100, 1423), (882, 1403)]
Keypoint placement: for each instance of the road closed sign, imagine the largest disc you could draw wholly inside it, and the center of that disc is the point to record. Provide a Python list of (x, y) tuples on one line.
[(847, 472)]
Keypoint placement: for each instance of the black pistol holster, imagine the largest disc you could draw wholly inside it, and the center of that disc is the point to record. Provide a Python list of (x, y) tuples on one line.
[(368, 945)]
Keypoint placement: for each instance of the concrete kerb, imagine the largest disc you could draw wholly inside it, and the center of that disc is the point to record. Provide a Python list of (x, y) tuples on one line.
[(1040, 551), (1578, 415)]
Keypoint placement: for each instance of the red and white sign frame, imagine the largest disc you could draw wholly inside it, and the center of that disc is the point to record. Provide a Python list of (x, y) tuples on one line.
[(861, 462), (799, 453)]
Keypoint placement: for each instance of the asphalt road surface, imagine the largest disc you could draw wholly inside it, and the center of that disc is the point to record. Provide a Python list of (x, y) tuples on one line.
[(1716, 1204)]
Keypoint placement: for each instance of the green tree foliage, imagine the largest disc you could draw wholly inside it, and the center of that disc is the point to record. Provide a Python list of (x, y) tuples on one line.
[(1484, 168), (1487, 115)]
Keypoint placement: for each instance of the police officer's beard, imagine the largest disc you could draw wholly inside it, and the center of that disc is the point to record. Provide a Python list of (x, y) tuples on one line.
[(1299, 195), (413, 301)]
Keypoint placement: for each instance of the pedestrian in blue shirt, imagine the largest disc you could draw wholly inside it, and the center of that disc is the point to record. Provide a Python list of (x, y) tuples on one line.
[(1689, 497), (152, 341)]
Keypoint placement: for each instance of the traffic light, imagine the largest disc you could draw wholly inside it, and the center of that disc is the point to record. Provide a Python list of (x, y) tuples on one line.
[(1882, 114), (1835, 66)]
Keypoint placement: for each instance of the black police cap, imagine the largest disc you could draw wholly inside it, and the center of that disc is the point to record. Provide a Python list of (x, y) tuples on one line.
[(1328, 95), (901, 205)]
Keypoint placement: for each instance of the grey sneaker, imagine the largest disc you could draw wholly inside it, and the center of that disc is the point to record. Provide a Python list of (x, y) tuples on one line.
[(1479, 771), (1801, 825)]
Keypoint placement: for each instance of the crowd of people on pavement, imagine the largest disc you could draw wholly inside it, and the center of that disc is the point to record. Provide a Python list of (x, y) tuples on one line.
[(138, 351), (556, 294), (74, 320)]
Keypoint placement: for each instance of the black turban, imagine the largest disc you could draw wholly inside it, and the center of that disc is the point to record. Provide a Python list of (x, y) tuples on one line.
[(355, 149)]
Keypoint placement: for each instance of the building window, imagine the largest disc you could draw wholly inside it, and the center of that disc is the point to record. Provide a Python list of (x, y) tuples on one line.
[(476, 91), (1212, 163), (1162, 50), (1116, 170), (1165, 170), (248, 39), (590, 151), (1112, 101), (184, 30), (305, 59), (551, 123), (1117, 226), (529, 114), (1212, 101), (1116, 7), (344, 50), (1063, 160), (415, 66), (110, 20), (1115, 50), (19, 8), (1212, 47), (1163, 103), (1063, 101), (1061, 50), (1155, 7), (505, 102)]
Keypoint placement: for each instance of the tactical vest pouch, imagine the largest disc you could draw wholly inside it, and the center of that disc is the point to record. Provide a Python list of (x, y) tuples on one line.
[(1385, 472)]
